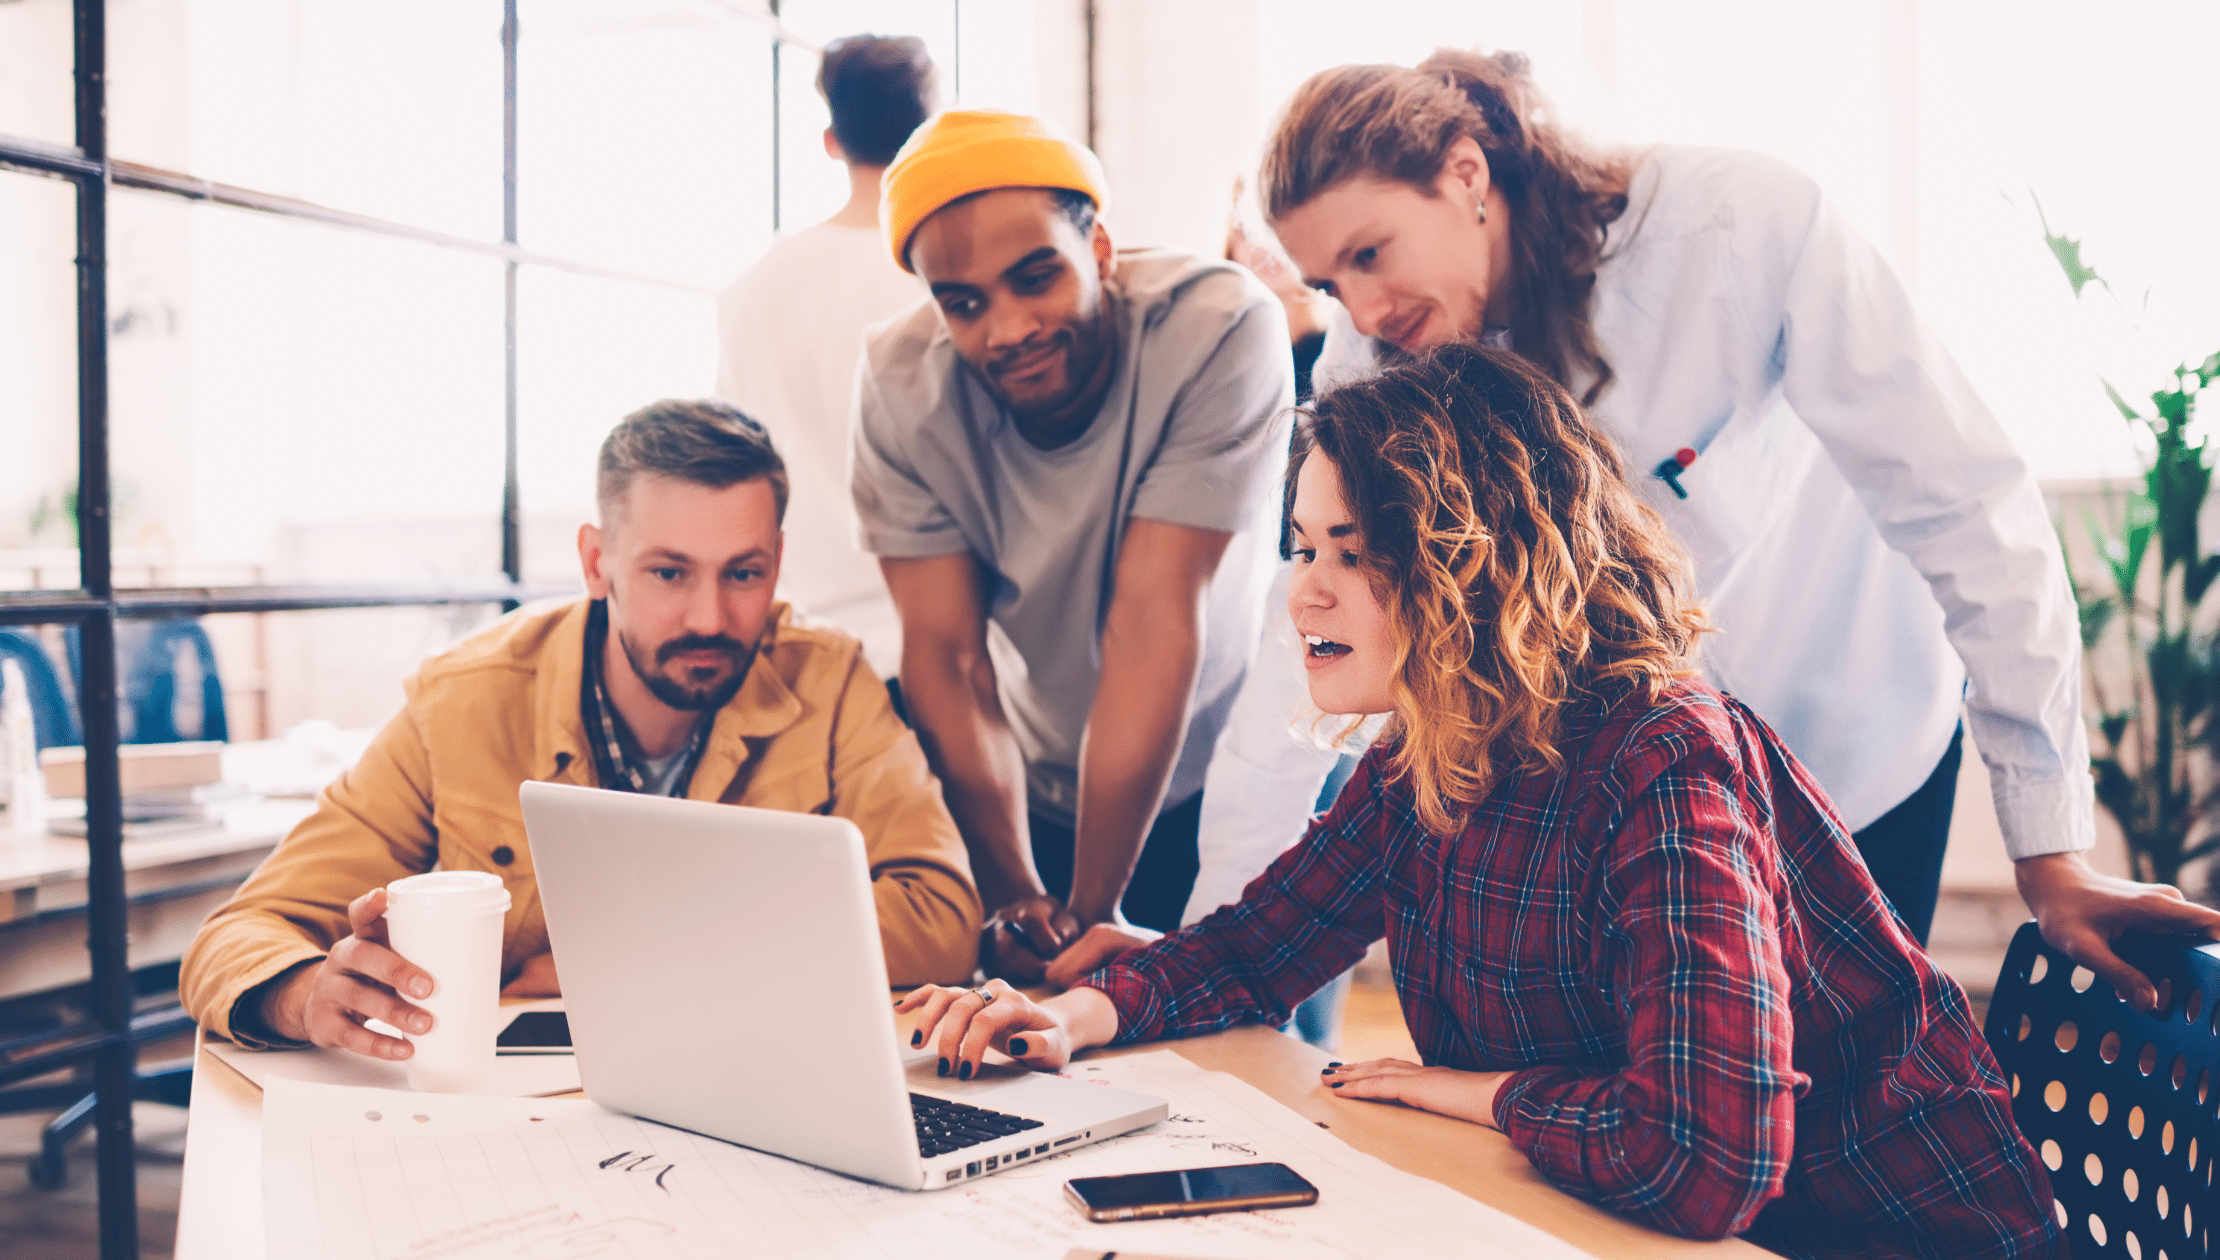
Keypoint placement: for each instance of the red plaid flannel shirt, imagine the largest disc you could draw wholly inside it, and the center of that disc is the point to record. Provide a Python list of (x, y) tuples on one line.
[(1716, 1023)]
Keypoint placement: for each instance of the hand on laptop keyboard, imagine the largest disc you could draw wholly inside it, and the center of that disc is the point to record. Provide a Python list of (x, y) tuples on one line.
[(966, 1027), (966, 1023)]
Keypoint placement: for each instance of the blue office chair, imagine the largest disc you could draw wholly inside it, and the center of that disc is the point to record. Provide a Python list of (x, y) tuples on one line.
[(53, 721), (2121, 1105), (172, 686), (169, 689)]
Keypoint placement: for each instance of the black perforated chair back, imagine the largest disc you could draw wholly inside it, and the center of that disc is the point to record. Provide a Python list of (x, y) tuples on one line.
[(2122, 1106)]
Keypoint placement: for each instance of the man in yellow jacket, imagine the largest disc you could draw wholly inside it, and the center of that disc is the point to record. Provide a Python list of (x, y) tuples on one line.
[(677, 674)]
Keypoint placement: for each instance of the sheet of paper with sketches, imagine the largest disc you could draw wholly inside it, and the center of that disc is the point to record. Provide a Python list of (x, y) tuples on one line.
[(514, 1075), (353, 1174)]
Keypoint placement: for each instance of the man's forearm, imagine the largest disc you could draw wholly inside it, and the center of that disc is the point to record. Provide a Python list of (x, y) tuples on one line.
[(960, 722), (1133, 738)]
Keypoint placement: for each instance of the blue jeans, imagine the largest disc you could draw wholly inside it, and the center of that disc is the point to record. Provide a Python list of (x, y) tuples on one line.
[(1163, 876)]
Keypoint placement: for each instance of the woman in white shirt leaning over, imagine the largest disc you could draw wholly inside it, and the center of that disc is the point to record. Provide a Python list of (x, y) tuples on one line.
[(1870, 544)]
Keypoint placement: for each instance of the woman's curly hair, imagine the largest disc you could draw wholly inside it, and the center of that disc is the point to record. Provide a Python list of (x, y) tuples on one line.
[(1516, 568)]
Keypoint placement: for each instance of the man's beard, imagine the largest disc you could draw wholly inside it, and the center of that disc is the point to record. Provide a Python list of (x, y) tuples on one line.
[(677, 694), (1086, 344)]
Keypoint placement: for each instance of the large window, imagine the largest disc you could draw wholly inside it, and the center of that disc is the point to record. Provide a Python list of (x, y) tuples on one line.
[(325, 305)]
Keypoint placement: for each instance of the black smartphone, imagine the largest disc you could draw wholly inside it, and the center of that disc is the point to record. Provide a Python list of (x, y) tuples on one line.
[(1190, 1191), (535, 1032)]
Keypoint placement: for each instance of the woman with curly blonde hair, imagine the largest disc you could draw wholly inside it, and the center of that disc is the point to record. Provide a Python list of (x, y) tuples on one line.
[(1627, 927)]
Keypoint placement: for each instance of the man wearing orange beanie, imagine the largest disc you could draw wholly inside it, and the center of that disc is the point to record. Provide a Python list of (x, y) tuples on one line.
[(1068, 466)]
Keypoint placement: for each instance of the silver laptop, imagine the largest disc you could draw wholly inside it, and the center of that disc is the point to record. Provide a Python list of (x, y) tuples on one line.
[(722, 972)]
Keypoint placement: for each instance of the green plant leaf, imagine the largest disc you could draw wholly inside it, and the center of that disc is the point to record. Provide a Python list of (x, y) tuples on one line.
[(2178, 482), (2124, 555), (2067, 251), (2203, 848), (2199, 578), (2093, 612), (2116, 792), (2096, 618), (2172, 405), (2118, 401), (2192, 687), (2113, 726), (2169, 663)]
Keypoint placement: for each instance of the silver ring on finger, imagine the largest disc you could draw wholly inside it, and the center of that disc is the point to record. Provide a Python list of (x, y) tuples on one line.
[(985, 995)]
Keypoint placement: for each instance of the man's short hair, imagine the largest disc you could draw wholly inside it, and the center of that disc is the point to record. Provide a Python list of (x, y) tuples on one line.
[(1077, 207), (704, 441), (879, 88)]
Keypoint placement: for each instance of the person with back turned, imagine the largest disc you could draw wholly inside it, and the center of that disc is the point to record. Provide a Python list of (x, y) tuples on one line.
[(789, 329)]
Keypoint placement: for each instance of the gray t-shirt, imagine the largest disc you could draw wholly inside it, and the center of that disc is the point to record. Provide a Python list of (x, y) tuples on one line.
[(1193, 432)]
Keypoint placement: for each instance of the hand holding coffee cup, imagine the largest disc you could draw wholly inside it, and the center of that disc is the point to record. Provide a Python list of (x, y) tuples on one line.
[(327, 1003), (448, 926)]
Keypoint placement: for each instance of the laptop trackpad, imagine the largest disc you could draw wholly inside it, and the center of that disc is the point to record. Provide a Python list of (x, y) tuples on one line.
[(1044, 1096), (922, 1067)]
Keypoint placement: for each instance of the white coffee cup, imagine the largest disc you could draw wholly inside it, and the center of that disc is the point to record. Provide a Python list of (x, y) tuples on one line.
[(448, 923)]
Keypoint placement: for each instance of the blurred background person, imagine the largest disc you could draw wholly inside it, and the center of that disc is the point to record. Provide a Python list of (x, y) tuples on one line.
[(789, 329), (1309, 312)]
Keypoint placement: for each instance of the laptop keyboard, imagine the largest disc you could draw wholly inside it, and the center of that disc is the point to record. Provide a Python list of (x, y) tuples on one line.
[(944, 1126)]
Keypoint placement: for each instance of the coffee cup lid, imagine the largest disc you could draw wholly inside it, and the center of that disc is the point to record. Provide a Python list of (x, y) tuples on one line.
[(447, 892)]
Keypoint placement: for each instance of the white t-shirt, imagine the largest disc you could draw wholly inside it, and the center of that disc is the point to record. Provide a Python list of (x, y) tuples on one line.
[(788, 333)]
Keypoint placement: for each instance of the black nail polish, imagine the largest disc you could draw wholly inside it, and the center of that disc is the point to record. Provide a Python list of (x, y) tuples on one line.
[(944, 1067), (964, 1073), (1017, 1045), (917, 1038), (1335, 1084), (1336, 1063)]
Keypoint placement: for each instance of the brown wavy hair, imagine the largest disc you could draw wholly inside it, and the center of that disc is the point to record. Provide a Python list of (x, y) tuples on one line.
[(1516, 568), (1396, 124)]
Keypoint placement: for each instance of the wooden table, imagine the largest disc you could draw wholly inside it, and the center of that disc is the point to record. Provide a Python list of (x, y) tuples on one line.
[(220, 1207)]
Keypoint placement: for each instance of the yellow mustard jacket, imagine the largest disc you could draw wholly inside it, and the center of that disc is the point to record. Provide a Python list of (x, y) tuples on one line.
[(811, 730)]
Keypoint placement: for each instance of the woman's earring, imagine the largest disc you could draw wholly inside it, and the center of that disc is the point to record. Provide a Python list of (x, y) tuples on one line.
[(1482, 211)]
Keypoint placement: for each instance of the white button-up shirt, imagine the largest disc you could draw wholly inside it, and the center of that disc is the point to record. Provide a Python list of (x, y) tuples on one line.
[(1864, 534)]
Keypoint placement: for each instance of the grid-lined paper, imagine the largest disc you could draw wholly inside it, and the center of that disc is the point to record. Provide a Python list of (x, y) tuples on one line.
[(364, 1174)]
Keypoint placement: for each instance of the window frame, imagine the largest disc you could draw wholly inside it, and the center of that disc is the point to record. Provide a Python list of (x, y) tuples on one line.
[(108, 1040)]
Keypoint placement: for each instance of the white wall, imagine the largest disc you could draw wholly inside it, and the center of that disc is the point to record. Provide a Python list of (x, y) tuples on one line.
[(1175, 115), (1060, 63)]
